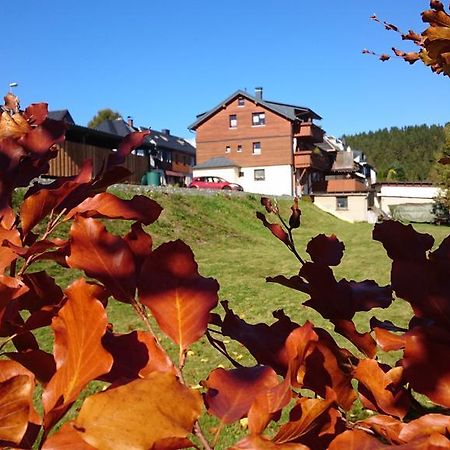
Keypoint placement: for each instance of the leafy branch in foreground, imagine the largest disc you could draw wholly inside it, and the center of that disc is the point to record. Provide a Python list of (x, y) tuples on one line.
[(433, 44), (146, 403)]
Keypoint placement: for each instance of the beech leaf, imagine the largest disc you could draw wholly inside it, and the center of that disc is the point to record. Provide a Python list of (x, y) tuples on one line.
[(275, 228), (179, 298), (256, 442), (231, 392), (139, 208), (103, 256), (327, 250), (67, 438), (356, 440), (139, 414), (79, 354)]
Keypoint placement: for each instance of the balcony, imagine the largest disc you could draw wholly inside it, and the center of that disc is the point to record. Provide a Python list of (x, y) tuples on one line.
[(311, 159), (339, 185), (309, 132)]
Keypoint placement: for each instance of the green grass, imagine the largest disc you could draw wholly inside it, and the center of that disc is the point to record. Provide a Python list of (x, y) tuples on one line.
[(231, 245)]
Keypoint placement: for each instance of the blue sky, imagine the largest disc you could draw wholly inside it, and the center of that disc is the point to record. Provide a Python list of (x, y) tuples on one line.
[(164, 62)]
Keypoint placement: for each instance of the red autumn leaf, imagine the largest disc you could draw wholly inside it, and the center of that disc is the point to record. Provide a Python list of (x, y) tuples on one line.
[(7, 255), (402, 241), (387, 427), (265, 342), (135, 355), (382, 390), (389, 341), (231, 392), (356, 440), (325, 365), (139, 415), (179, 298), (16, 401), (140, 244), (15, 404), (425, 369), (256, 442), (140, 208), (362, 341), (294, 219), (36, 113), (67, 438), (275, 228), (326, 250), (267, 203), (103, 256), (40, 139), (40, 363), (305, 417), (341, 300), (129, 143), (425, 426), (384, 57), (79, 354)]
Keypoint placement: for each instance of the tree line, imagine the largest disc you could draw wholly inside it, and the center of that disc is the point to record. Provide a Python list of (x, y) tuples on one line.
[(402, 154)]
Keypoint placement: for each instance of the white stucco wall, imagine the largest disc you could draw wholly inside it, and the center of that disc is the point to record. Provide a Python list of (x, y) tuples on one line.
[(357, 210), (278, 180), (398, 195)]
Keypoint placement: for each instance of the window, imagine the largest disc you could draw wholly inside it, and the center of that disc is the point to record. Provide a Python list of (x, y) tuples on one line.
[(233, 121), (260, 174), (241, 174), (227, 149), (341, 202), (241, 101), (239, 148), (258, 119), (256, 148)]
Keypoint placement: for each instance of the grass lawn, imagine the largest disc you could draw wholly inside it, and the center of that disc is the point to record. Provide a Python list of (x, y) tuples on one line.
[(231, 245)]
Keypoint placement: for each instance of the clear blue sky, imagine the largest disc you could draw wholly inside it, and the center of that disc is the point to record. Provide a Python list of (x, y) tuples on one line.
[(164, 62)]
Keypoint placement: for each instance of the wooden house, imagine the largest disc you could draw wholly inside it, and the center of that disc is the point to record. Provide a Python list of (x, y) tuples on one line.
[(265, 146)]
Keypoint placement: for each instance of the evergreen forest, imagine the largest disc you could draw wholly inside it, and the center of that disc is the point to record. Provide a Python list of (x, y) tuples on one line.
[(401, 154)]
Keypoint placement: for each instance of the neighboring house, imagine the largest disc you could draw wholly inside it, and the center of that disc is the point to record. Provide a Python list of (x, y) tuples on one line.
[(82, 143), (170, 158), (267, 147)]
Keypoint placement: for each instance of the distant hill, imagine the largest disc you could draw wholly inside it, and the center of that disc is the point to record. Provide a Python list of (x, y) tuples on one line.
[(403, 154)]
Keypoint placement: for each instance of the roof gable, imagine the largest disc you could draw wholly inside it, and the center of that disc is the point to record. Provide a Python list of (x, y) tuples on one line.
[(289, 112)]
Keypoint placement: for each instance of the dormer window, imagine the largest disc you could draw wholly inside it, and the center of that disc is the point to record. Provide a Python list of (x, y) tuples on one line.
[(258, 119)]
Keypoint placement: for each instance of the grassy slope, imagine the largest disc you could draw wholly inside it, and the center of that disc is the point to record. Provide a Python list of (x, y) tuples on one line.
[(231, 245)]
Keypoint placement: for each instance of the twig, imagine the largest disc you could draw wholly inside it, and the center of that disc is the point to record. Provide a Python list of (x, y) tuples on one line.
[(215, 344)]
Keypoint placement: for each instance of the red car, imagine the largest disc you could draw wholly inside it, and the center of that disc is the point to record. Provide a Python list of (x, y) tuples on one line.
[(214, 183)]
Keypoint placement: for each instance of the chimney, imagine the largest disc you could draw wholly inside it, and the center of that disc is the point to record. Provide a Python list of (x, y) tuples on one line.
[(165, 131), (130, 122), (259, 93)]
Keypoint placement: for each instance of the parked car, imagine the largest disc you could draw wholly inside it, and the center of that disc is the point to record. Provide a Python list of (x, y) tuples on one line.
[(214, 183)]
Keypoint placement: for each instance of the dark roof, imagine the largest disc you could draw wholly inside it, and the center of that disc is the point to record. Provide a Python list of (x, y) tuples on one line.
[(61, 114), (344, 162), (117, 126), (290, 112), (218, 161), (155, 138)]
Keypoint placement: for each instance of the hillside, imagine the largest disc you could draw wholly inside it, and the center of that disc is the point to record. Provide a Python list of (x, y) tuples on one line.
[(404, 154)]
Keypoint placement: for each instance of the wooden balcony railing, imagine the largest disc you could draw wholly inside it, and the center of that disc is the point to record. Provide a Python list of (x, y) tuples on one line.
[(310, 132), (311, 159), (339, 185)]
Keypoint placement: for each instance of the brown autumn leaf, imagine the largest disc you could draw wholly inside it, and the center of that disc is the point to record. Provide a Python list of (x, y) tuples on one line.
[(231, 392), (140, 244), (275, 228), (130, 142), (294, 219), (426, 372), (387, 427), (364, 342), (103, 256), (257, 442), (179, 298), (36, 113), (382, 390), (140, 208), (14, 126), (139, 414), (15, 406), (79, 354), (67, 438), (135, 355), (40, 139), (389, 341), (384, 57), (425, 426), (356, 440), (7, 255), (305, 417), (327, 250)]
